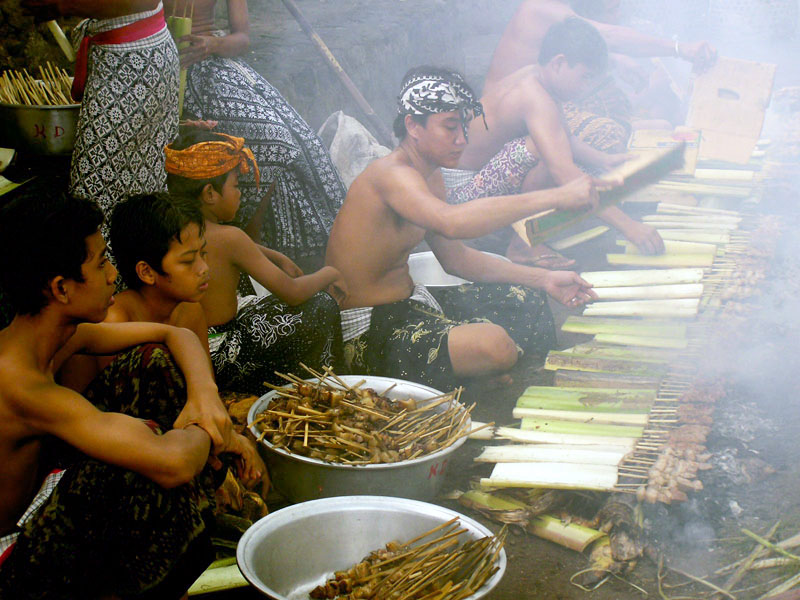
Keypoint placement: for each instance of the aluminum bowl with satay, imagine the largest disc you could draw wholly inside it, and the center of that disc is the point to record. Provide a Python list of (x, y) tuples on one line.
[(351, 435), (370, 547)]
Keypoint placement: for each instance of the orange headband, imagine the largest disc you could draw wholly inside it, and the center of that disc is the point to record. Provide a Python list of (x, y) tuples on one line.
[(206, 160)]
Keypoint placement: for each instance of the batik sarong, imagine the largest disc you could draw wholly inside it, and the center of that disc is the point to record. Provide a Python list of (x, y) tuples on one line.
[(408, 339), (308, 190), (128, 114), (503, 175), (268, 335), (108, 530), (602, 119)]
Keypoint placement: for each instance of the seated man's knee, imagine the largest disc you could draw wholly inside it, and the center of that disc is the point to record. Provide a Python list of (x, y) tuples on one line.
[(498, 348), (503, 349), (481, 349)]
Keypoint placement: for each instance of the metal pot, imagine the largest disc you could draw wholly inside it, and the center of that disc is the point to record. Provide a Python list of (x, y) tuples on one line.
[(289, 552), (300, 478), (42, 130)]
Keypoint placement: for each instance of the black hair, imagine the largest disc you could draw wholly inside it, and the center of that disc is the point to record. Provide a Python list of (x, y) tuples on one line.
[(143, 226), (184, 186), (43, 236), (399, 125), (589, 9), (579, 41)]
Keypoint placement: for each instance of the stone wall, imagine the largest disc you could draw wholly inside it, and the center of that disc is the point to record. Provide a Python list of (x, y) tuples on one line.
[(376, 42)]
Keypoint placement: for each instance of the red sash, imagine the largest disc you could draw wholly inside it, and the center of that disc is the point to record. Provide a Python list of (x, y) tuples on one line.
[(129, 33)]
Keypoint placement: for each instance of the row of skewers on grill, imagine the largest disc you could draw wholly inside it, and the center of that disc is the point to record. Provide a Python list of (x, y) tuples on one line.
[(597, 441), (625, 412)]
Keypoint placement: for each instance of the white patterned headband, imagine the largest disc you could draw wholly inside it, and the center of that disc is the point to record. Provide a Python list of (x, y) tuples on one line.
[(433, 94)]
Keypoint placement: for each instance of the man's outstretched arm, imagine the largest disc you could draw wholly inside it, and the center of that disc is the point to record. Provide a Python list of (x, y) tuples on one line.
[(407, 193)]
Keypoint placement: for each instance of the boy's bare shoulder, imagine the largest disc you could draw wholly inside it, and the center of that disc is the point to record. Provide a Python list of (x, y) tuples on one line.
[(225, 233), (20, 383), (188, 314), (125, 308), (226, 240)]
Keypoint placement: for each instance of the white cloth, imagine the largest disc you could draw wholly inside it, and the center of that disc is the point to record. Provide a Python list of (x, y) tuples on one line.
[(45, 491), (356, 321), (454, 178)]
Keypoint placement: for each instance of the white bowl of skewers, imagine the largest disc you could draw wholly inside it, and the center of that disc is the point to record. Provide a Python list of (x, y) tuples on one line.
[(323, 548)]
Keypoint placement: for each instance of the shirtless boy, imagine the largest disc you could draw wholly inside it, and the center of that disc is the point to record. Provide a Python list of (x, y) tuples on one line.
[(126, 516), (394, 328), (522, 39), (253, 337), (160, 252), (525, 144)]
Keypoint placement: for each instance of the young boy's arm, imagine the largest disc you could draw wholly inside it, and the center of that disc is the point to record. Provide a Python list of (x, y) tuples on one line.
[(283, 262), (170, 460), (248, 257), (203, 406)]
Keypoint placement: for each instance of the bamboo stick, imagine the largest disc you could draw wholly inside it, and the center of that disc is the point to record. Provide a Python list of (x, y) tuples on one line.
[(651, 292), (661, 260), (600, 279), (675, 308)]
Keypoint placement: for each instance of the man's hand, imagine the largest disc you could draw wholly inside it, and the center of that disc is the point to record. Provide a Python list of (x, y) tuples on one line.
[(578, 194), (250, 468), (702, 55), (645, 237), (199, 48), (205, 409), (568, 288)]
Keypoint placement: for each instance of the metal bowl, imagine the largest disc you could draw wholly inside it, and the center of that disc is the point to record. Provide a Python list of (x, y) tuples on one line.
[(39, 129), (300, 478), (289, 552), (425, 269)]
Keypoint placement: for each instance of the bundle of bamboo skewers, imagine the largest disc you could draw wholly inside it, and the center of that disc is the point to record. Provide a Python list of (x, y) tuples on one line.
[(52, 89), (329, 420), (441, 568)]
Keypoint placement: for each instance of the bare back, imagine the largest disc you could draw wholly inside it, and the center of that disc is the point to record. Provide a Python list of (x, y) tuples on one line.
[(369, 242), (522, 38), (20, 444), (507, 105), (220, 303)]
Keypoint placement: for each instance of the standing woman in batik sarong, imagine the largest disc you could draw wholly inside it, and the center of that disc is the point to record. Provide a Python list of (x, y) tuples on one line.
[(307, 188), (127, 76)]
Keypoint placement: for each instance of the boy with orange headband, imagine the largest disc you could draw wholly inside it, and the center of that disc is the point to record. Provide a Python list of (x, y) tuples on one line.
[(252, 337)]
